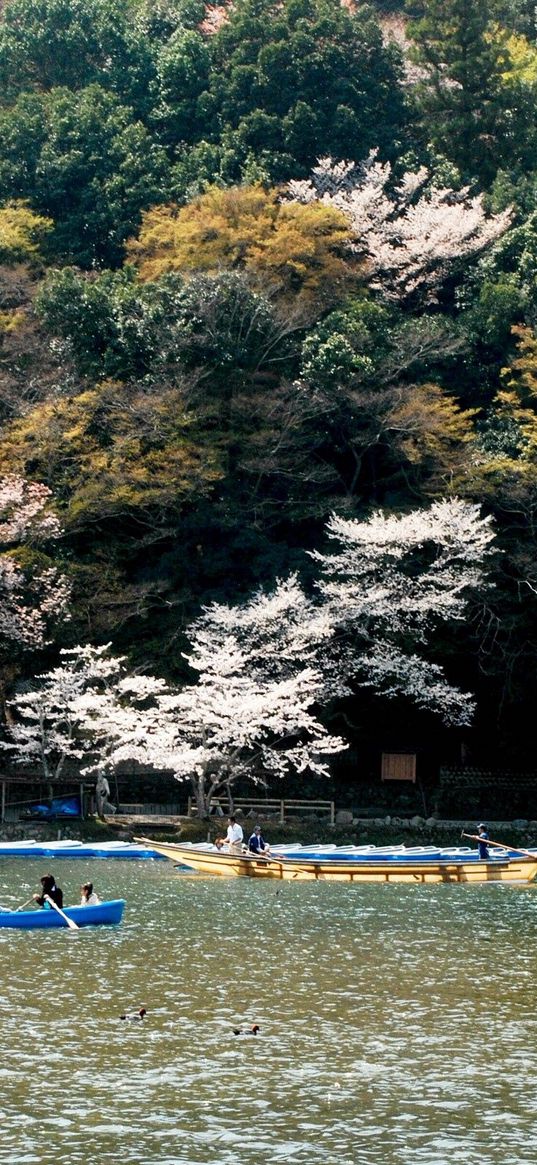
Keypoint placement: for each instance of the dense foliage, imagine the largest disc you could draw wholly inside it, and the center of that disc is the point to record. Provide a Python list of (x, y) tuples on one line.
[(261, 264)]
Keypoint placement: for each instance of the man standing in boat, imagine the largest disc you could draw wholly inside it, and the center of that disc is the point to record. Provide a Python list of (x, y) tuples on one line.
[(234, 836), (482, 838)]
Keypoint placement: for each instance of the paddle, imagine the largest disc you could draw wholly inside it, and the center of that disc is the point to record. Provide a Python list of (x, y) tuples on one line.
[(71, 924), (13, 909), (527, 853)]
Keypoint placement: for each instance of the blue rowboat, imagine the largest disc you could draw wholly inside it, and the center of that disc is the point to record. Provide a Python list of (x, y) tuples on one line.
[(106, 913)]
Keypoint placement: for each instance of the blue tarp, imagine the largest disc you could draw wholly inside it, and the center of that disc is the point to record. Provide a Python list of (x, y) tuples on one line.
[(58, 807)]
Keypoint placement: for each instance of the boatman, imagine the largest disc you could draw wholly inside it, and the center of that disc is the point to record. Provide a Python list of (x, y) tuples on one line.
[(234, 836), (482, 838)]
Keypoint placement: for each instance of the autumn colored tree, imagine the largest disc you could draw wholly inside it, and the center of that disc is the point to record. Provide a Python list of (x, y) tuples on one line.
[(298, 251), (22, 233)]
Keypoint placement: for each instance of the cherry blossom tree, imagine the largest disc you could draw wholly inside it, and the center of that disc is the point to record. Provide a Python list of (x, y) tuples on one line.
[(250, 713), (411, 234), (79, 711), (238, 720), (387, 586), (31, 597), (264, 666)]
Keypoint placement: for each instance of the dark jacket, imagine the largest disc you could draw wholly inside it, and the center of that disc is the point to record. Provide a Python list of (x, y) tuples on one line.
[(256, 844), (53, 892)]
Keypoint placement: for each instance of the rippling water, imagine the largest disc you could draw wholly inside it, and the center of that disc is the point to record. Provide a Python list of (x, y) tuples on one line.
[(397, 1023)]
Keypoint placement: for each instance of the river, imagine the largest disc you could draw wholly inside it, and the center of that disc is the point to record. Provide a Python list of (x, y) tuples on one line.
[(397, 1023)]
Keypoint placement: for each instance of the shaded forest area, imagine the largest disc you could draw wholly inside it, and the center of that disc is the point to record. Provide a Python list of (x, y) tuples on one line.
[(259, 265)]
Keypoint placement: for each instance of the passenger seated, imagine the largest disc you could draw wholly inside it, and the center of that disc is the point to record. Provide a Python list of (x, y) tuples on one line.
[(257, 844), (89, 897)]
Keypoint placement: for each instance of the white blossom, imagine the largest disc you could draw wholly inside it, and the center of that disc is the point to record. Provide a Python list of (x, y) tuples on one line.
[(410, 236), (391, 581), (29, 600)]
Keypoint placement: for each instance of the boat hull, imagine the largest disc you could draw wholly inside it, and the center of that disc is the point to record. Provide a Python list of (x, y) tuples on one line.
[(105, 914), (522, 870)]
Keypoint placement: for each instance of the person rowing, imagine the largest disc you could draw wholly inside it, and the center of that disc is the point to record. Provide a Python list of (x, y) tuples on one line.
[(482, 839), (49, 890)]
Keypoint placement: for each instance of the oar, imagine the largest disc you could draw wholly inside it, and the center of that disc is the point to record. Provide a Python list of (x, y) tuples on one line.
[(13, 909), (527, 853), (70, 922)]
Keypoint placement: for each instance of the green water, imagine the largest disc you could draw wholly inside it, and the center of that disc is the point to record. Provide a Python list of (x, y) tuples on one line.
[(397, 1023)]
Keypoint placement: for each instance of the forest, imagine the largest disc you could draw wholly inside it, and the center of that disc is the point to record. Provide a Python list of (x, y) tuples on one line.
[(268, 385)]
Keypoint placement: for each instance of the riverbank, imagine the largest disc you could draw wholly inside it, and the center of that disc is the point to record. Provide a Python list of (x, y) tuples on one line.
[(357, 831)]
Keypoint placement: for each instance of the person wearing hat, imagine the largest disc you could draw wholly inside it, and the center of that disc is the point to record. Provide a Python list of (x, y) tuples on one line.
[(257, 844), (482, 838)]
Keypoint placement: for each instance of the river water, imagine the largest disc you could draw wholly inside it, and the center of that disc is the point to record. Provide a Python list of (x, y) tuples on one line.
[(397, 1023)]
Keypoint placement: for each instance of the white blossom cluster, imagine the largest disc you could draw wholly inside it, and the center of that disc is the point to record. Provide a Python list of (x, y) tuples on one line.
[(411, 234), (28, 600), (264, 667)]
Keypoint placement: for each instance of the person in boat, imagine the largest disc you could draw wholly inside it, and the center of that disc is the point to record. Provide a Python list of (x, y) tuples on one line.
[(88, 897), (49, 890), (482, 838), (234, 836), (257, 843)]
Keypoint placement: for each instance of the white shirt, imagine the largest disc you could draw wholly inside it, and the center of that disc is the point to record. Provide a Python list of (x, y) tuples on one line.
[(234, 834), (93, 900)]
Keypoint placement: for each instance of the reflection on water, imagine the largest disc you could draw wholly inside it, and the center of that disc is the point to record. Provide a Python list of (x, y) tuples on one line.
[(397, 1023)]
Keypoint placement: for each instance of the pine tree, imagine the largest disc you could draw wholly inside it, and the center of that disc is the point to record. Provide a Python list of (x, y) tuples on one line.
[(460, 94)]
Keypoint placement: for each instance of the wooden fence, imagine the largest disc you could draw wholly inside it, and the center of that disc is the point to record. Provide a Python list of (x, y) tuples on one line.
[(282, 808)]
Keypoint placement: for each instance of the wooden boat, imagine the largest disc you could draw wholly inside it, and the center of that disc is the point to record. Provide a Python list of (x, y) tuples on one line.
[(106, 913), (347, 866)]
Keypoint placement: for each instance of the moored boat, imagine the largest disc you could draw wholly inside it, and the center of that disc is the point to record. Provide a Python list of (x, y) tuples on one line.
[(373, 866), (105, 914)]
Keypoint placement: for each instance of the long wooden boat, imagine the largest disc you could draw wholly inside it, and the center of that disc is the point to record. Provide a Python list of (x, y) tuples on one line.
[(348, 866), (106, 913)]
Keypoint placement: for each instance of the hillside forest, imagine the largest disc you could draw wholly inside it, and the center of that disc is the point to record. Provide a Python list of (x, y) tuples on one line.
[(268, 385)]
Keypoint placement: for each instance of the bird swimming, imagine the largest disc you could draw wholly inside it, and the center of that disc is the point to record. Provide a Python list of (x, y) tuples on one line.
[(252, 1031), (135, 1015)]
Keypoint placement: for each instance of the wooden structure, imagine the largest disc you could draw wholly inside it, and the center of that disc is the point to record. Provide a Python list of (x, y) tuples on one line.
[(282, 808), (398, 766)]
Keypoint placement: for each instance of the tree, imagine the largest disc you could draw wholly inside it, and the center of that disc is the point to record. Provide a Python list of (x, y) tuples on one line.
[(34, 594), (115, 452), (182, 75), (262, 665), (460, 97), (78, 712), (411, 236), (237, 720), (250, 712), (115, 326), (47, 44), (298, 250), (82, 160), (292, 81), (389, 583), (21, 234)]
